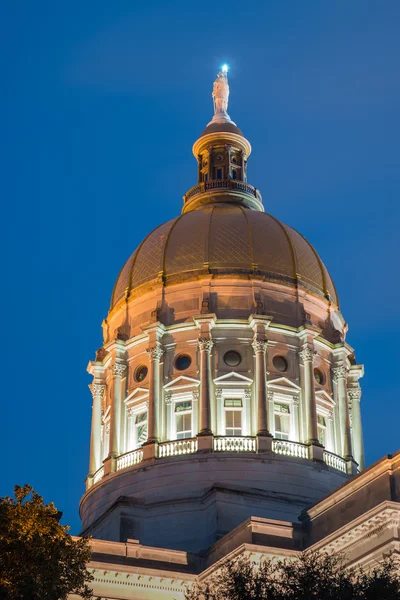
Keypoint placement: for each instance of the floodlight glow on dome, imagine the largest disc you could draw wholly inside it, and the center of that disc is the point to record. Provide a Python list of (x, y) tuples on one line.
[(224, 68)]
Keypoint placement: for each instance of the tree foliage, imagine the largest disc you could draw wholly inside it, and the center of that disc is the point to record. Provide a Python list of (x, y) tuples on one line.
[(311, 576), (39, 560)]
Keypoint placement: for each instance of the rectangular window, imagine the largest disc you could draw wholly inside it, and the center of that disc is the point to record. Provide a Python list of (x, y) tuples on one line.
[(140, 428), (219, 173), (234, 174), (282, 421), (233, 422), (321, 423), (183, 425), (233, 402)]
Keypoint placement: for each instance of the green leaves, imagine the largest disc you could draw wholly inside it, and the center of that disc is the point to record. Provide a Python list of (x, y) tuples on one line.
[(311, 576), (39, 560)]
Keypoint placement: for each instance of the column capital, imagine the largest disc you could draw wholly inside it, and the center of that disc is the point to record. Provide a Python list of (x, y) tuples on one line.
[(118, 369), (155, 352), (205, 344), (97, 389), (340, 372), (260, 346), (307, 354), (354, 393)]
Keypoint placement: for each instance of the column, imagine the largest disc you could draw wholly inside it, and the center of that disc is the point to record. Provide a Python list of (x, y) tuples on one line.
[(115, 417), (355, 397), (95, 435), (307, 356), (296, 420), (340, 373), (155, 353), (205, 347), (260, 349)]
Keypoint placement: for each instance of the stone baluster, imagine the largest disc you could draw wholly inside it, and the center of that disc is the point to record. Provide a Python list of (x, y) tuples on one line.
[(307, 356), (205, 347), (354, 395), (155, 353), (95, 435), (115, 429)]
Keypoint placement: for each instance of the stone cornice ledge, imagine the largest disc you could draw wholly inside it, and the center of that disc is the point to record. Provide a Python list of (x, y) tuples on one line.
[(355, 532), (387, 464)]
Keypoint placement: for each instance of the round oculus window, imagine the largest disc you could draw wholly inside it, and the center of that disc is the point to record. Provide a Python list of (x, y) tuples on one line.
[(182, 362), (232, 358), (319, 376), (280, 363), (141, 373)]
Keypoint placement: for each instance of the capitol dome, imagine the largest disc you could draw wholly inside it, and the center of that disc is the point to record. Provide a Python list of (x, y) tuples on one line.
[(223, 239), (224, 387)]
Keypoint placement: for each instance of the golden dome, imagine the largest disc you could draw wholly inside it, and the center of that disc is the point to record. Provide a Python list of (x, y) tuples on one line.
[(225, 239)]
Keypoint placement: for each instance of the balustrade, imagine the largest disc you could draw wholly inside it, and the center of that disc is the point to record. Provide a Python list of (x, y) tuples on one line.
[(98, 476), (286, 448), (235, 444), (129, 459), (177, 447), (335, 461)]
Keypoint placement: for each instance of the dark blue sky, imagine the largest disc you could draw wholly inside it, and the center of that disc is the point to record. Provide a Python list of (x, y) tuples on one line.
[(100, 103)]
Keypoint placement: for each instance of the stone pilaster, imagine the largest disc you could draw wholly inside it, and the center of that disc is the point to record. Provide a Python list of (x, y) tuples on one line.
[(205, 347), (115, 417), (154, 353), (354, 395), (340, 373), (260, 351), (95, 436), (307, 357)]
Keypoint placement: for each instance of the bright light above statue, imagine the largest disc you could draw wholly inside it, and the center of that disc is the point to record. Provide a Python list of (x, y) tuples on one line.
[(224, 68)]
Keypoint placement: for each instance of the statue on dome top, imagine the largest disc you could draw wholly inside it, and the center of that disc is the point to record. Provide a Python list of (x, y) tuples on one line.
[(221, 93)]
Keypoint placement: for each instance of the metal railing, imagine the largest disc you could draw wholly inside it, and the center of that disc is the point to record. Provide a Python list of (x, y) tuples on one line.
[(130, 458), (287, 448), (224, 184), (335, 461), (177, 447), (235, 444), (98, 476)]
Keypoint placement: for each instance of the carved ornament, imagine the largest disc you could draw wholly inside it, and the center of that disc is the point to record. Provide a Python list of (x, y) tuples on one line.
[(340, 372), (155, 352), (260, 346), (118, 369), (205, 344)]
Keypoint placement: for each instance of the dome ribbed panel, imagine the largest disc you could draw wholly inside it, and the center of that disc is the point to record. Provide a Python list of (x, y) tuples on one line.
[(123, 280), (187, 246), (271, 247), (308, 267), (149, 262), (229, 239), (330, 285)]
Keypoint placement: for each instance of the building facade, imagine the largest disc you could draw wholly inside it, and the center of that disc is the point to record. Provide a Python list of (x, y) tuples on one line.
[(226, 401)]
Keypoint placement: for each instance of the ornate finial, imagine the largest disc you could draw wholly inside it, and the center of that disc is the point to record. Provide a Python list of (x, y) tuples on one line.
[(221, 94)]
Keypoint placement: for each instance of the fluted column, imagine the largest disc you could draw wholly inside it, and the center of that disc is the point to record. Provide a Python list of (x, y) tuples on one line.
[(340, 372), (155, 353), (115, 416), (355, 397), (307, 357), (260, 350), (205, 347), (95, 435)]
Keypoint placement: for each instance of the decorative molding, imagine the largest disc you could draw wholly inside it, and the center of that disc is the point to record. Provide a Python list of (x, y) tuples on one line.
[(270, 396), (205, 344), (97, 389), (260, 346), (218, 393), (195, 395), (307, 354), (155, 352), (354, 393), (168, 398), (340, 372), (118, 369), (247, 393), (296, 401)]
